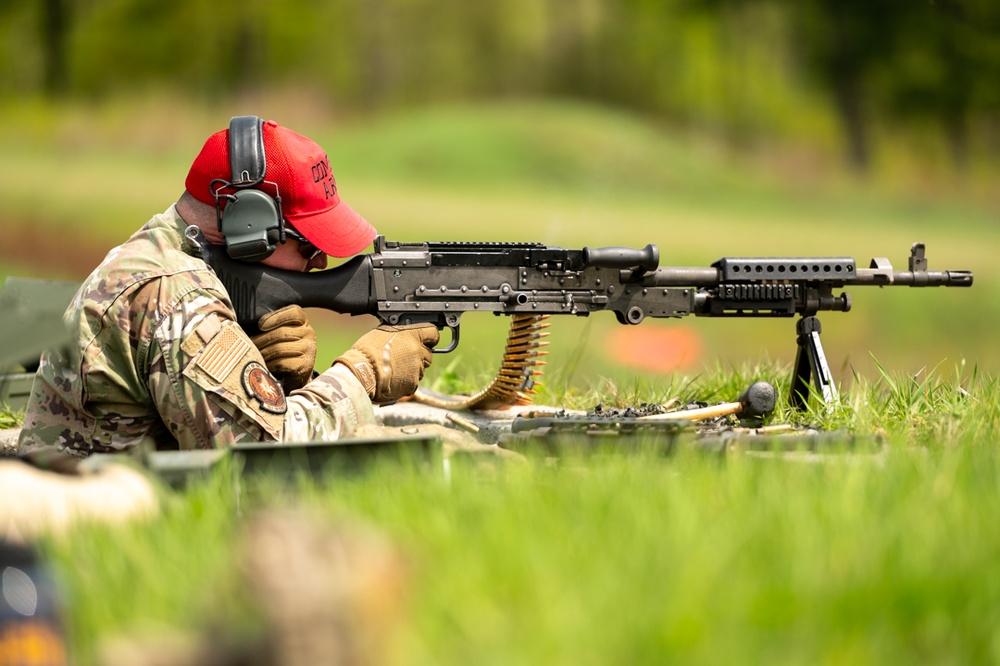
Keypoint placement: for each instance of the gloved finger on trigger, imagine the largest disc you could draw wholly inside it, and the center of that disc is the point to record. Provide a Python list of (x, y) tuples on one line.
[(429, 335)]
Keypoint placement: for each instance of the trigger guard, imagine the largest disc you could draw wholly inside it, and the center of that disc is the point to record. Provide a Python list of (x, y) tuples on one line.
[(451, 346)]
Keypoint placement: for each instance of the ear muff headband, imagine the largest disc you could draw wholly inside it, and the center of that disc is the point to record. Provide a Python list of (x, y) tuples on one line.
[(247, 161), (251, 223)]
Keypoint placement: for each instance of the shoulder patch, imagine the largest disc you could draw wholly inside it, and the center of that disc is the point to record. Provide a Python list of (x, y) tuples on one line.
[(231, 367), (223, 353), (259, 384)]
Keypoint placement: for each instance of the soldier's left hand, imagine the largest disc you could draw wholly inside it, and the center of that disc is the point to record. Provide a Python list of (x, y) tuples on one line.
[(288, 344)]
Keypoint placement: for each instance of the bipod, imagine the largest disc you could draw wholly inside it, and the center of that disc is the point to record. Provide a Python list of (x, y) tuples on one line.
[(810, 362)]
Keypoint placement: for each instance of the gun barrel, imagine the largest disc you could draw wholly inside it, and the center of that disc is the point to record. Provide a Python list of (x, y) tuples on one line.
[(880, 277), (693, 276)]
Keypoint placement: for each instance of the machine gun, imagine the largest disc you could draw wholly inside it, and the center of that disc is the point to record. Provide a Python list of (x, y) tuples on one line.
[(438, 282)]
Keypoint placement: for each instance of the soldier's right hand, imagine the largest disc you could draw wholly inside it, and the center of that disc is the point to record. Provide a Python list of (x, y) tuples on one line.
[(389, 361)]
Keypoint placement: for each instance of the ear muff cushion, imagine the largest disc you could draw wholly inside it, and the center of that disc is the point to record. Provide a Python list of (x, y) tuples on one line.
[(250, 225)]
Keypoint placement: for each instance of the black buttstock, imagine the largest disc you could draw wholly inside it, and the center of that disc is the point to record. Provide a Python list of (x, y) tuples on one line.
[(255, 289)]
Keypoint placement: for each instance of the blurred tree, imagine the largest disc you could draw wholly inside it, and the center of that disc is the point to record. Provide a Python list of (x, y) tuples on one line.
[(745, 69), (946, 69), (842, 42), (20, 53), (55, 30), (890, 60)]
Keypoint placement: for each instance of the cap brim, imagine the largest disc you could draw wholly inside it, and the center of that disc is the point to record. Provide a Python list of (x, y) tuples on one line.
[(338, 231)]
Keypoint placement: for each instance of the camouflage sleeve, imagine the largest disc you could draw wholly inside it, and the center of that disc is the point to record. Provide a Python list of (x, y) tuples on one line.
[(212, 388), (329, 407), (195, 377)]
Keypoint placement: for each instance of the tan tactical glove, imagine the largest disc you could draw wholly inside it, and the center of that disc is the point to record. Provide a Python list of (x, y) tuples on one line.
[(288, 344), (389, 361)]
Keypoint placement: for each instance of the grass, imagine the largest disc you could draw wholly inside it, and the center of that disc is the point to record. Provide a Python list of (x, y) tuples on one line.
[(10, 419), (637, 558), (849, 556)]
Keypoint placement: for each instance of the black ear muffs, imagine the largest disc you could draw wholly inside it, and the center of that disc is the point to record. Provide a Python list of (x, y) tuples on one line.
[(250, 225), (251, 222)]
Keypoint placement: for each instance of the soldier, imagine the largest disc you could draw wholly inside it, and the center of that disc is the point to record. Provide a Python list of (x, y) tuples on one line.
[(158, 355)]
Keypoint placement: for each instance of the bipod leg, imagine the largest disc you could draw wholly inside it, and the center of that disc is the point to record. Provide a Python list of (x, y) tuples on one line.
[(810, 363)]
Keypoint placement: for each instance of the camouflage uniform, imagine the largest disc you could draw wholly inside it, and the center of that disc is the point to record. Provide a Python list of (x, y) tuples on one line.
[(160, 358)]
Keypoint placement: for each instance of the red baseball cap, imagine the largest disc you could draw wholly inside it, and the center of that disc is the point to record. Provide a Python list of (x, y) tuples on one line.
[(301, 171)]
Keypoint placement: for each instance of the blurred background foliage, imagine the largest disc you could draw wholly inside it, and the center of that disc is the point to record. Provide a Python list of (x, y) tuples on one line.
[(709, 127), (830, 71)]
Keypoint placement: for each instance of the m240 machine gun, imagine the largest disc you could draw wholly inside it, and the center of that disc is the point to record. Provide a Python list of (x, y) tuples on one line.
[(439, 282)]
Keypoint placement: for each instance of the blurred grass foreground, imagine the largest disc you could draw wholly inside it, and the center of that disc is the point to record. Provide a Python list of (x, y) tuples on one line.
[(848, 554)]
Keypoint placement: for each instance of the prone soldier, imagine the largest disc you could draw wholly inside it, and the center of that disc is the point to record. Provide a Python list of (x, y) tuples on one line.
[(157, 354)]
